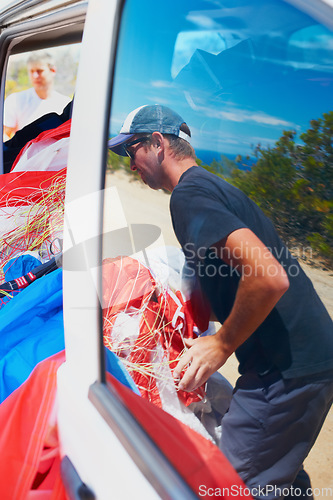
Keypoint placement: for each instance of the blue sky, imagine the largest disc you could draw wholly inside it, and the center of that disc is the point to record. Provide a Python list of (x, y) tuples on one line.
[(234, 86)]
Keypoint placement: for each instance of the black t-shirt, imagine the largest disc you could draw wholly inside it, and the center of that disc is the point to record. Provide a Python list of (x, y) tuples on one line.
[(297, 336)]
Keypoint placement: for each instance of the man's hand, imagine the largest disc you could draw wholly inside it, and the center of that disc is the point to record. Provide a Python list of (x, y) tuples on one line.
[(204, 357)]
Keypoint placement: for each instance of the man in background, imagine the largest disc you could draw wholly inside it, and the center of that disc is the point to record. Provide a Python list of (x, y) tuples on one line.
[(26, 106)]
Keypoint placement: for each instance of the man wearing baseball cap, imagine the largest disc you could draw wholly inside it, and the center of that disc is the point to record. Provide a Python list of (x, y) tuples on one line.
[(270, 314), (146, 127)]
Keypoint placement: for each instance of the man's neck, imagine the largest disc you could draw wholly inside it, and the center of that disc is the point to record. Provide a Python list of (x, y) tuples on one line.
[(44, 93), (176, 169)]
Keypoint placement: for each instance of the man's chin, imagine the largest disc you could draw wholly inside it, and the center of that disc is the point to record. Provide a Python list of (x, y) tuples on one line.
[(38, 86), (149, 184)]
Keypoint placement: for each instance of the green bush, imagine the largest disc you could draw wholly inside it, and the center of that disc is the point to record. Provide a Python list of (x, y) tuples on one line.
[(293, 184)]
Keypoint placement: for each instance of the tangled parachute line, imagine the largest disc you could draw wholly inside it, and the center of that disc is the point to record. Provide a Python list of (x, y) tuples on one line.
[(145, 323), (31, 221)]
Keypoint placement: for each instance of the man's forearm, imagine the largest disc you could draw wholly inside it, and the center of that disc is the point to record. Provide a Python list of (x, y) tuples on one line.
[(255, 299)]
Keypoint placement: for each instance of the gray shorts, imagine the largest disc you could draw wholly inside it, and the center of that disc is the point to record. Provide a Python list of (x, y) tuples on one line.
[(270, 428)]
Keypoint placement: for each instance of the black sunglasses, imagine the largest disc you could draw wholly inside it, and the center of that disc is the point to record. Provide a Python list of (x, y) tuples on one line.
[(129, 144)]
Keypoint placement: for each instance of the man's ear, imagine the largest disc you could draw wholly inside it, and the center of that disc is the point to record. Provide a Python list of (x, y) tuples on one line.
[(158, 140)]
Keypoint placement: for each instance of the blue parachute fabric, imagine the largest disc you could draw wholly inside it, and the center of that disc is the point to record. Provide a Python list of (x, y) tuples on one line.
[(115, 367), (16, 268), (31, 330), (20, 266)]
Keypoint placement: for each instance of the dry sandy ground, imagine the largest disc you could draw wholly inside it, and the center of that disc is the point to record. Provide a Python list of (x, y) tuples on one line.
[(142, 205)]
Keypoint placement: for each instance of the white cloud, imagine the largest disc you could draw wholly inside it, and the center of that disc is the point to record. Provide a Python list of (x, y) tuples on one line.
[(243, 116), (162, 84), (246, 116), (201, 20)]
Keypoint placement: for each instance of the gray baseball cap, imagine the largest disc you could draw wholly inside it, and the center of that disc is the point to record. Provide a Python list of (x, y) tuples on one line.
[(148, 119)]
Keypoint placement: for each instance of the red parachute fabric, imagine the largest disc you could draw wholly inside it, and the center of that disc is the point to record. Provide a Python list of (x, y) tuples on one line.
[(29, 458), (196, 459), (55, 133), (129, 287), (17, 187), (126, 284)]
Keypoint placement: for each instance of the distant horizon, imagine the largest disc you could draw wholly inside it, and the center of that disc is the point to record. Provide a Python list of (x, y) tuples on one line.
[(207, 156)]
